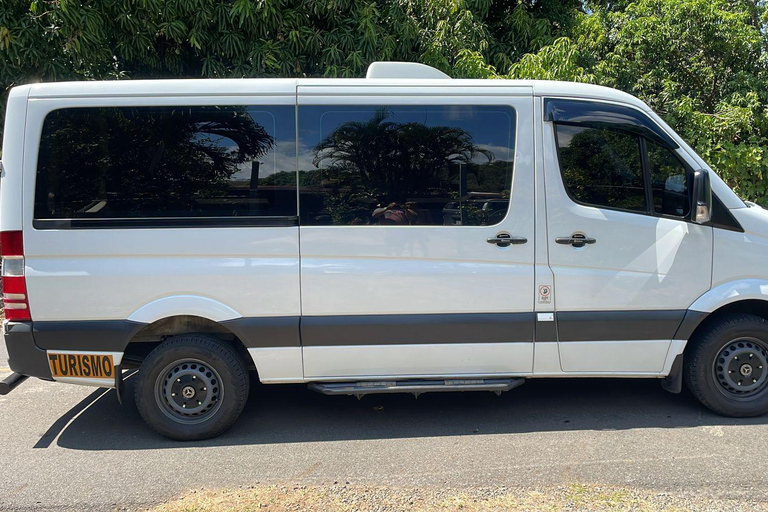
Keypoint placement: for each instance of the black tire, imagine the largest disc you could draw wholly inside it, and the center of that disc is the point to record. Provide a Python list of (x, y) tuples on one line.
[(726, 369), (212, 387)]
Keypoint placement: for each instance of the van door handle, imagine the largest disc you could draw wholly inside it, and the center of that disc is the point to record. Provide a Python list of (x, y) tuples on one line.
[(576, 240), (505, 240)]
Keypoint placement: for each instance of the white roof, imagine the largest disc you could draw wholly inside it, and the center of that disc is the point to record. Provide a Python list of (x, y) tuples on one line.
[(287, 87)]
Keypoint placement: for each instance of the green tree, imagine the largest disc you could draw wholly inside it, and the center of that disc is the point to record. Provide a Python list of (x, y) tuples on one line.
[(700, 63)]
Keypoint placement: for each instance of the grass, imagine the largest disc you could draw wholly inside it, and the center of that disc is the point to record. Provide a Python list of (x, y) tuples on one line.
[(353, 498)]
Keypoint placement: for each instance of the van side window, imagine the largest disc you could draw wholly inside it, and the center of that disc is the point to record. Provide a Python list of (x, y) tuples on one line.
[(167, 162), (669, 182), (405, 165), (602, 167)]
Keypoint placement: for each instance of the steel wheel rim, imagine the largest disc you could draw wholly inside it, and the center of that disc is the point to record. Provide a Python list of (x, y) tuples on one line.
[(189, 391), (741, 368)]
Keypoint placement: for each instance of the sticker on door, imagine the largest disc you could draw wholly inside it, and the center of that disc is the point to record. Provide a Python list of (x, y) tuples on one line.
[(545, 294)]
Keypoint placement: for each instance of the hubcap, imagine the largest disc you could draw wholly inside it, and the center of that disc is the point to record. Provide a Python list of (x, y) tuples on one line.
[(741, 368), (189, 391)]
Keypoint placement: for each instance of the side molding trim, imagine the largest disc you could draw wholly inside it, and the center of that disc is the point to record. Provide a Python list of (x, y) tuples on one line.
[(689, 324), (618, 325), (439, 329)]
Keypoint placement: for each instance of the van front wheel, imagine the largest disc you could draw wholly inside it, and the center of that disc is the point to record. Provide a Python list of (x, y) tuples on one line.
[(727, 370), (191, 387)]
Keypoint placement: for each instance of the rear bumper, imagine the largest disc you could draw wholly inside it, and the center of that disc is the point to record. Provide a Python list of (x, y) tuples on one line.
[(24, 356)]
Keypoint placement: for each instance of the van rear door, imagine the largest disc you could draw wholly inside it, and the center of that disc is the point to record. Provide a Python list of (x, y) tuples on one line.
[(416, 208)]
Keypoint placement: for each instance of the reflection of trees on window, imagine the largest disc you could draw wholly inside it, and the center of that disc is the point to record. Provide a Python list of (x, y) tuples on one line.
[(414, 171), (602, 167), (150, 162), (394, 160), (669, 181)]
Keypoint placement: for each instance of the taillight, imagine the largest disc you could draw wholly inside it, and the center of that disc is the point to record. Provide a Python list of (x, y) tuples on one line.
[(14, 283)]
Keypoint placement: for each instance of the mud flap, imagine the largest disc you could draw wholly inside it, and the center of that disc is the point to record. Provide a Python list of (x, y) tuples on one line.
[(119, 385), (674, 381)]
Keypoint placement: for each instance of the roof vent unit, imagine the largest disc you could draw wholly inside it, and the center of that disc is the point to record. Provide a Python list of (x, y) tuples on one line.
[(403, 70)]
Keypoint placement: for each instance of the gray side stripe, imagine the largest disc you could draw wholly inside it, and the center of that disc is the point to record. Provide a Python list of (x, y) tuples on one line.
[(618, 325), (316, 331), (110, 335), (546, 331), (415, 329), (280, 331)]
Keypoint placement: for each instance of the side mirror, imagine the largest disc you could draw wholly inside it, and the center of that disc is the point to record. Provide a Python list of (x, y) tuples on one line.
[(701, 213)]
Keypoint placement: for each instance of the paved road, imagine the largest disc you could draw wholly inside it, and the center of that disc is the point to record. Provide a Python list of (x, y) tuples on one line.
[(64, 446)]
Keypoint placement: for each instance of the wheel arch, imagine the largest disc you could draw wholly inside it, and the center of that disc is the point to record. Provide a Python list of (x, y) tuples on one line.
[(697, 321), (153, 334), (183, 305), (752, 306)]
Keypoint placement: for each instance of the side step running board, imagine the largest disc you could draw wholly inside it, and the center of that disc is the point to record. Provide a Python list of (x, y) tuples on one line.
[(416, 387)]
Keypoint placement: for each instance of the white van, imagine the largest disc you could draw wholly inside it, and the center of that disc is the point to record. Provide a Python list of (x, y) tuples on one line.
[(400, 233)]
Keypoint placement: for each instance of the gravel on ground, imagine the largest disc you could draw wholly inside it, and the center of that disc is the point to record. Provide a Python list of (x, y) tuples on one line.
[(353, 498)]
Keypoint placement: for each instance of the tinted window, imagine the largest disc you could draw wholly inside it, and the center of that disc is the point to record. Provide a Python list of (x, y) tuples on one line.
[(140, 162), (669, 180), (602, 167), (405, 165)]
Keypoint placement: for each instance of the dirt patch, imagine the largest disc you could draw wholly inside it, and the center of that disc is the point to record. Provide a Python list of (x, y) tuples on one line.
[(274, 498)]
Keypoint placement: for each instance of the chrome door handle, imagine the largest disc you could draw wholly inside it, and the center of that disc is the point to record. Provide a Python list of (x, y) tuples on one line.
[(505, 240), (576, 240)]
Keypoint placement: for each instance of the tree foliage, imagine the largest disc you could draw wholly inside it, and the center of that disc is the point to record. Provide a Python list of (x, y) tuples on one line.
[(700, 63)]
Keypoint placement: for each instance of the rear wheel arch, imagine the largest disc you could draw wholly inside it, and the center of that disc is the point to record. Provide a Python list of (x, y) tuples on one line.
[(152, 335)]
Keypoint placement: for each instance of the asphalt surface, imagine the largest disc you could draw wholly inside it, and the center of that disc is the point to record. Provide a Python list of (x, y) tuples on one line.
[(72, 447)]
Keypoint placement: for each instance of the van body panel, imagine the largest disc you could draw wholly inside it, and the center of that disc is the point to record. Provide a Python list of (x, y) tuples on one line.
[(420, 272), (615, 356), (546, 354), (12, 175), (258, 278), (751, 246), (278, 365), (121, 273), (745, 280), (371, 362)]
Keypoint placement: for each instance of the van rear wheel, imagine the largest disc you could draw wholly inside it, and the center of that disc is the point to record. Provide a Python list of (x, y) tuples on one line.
[(727, 369), (191, 387)]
